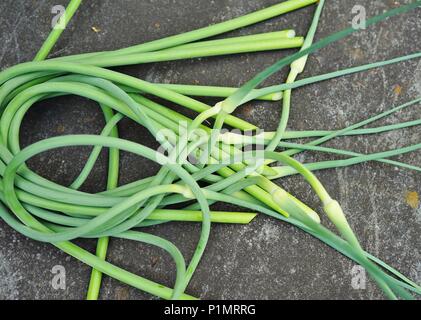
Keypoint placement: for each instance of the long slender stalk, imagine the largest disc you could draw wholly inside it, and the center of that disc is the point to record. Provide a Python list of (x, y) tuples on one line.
[(297, 67), (194, 52), (45, 211), (112, 183), (57, 30)]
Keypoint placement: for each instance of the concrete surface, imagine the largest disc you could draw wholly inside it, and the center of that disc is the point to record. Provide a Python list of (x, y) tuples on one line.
[(266, 259)]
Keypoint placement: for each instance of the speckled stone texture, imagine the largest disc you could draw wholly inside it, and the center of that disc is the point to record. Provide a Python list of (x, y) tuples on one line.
[(266, 259)]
